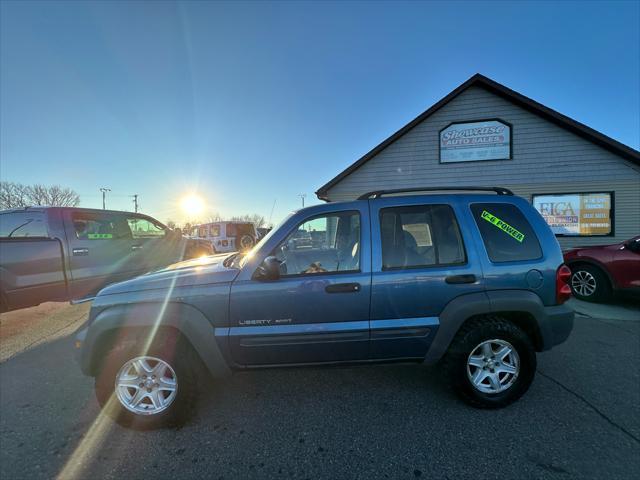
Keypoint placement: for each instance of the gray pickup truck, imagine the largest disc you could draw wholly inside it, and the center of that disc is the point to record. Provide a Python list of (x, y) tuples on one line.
[(58, 254)]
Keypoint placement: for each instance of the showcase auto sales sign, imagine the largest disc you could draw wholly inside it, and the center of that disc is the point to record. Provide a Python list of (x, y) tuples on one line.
[(469, 142)]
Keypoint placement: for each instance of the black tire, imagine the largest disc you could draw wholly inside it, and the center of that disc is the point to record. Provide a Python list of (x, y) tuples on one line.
[(586, 272), (172, 349), (470, 336)]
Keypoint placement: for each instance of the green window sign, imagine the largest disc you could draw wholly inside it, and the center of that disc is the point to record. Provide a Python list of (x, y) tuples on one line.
[(99, 236), (504, 226)]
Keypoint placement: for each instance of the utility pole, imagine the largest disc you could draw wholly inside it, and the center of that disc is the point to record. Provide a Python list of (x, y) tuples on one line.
[(272, 207), (302, 196), (104, 194), (135, 202)]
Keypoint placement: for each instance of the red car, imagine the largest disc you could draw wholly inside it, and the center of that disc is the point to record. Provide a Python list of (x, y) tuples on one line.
[(598, 271)]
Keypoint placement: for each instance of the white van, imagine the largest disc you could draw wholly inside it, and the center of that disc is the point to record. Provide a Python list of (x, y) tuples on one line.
[(227, 236)]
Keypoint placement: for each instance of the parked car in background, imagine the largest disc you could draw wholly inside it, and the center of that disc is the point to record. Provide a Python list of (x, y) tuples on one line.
[(227, 236), (300, 239), (60, 253), (262, 232), (599, 271), (475, 280)]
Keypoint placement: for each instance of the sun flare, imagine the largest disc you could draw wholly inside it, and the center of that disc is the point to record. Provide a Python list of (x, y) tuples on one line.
[(192, 205)]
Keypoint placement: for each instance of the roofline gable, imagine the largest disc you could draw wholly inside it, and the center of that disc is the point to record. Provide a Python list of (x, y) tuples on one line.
[(479, 80)]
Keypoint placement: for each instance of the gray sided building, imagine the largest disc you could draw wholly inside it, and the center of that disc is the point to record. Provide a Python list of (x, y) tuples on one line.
[(585, 184)]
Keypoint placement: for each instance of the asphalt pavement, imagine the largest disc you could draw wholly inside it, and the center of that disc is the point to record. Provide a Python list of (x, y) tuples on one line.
[(581, 419)]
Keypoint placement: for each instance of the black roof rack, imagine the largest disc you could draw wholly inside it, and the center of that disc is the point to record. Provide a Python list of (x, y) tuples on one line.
[(379, 193)]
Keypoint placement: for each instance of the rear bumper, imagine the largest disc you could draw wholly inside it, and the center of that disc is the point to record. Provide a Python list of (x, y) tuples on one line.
[(555, 325)]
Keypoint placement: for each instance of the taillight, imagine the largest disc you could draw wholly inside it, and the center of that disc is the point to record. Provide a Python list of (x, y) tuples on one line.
[(563, 290)]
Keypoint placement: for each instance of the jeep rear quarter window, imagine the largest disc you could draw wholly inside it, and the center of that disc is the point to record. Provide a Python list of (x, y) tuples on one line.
[(506, 233)]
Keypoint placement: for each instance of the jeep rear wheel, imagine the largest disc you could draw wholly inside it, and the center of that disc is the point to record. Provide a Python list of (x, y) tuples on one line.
[(148, 389), (490, 363)]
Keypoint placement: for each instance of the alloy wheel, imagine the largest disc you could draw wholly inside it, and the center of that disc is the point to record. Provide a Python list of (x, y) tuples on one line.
[(493, 366), (583, 283), (146, 385)]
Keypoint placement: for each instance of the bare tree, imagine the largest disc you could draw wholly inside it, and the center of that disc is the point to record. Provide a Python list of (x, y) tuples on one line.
[(215, 217), (17, 195), (13, 195), (171, 224), (53, 196), (257, 219)]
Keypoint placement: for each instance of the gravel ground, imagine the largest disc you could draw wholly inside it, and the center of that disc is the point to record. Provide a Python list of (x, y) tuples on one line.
[(29, 327)]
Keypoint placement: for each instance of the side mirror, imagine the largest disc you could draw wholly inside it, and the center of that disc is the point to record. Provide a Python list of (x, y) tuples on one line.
[(269, 269), (633, 245)]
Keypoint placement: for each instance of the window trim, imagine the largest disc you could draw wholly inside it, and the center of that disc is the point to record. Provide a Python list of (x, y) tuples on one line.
[(336, 213), (424, 266), (484, 244)]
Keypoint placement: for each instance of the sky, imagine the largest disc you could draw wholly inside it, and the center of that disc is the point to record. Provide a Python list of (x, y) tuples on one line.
[(252, 104)]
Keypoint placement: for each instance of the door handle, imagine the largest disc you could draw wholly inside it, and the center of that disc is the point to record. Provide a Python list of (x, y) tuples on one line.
[(80, 252), (136, 247), (460, 278), (342, 288)]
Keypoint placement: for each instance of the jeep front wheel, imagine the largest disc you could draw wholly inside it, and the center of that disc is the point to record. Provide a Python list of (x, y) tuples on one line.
[(148, 389), (490, 363)]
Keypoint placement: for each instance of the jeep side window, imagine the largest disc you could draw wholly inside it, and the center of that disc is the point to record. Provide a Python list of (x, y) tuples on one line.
[(506, 233), (323, 244), (420, 236), (100, 226)]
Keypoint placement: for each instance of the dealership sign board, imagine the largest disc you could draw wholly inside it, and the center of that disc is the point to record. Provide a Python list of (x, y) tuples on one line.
[(576, 213), (470, 142)]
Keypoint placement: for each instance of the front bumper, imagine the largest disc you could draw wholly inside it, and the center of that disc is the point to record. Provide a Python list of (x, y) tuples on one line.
[(556, 325)]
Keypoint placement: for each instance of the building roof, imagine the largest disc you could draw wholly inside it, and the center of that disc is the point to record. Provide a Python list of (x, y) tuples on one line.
[(527, 103)]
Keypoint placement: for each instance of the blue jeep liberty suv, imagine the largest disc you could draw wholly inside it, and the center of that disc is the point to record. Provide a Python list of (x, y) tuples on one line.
[(474, 281)]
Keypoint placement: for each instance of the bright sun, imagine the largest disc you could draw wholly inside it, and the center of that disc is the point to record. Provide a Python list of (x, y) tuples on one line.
[(192, 205)]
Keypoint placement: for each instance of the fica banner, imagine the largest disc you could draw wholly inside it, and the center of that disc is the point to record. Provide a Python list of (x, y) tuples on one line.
[(576, 213)]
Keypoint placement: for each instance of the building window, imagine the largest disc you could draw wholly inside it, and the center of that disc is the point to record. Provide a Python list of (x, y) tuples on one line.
[(577, 214)]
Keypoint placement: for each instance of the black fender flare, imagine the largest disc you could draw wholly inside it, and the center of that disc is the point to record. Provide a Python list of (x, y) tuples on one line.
[(451, 319), (186, 319), (462, 308)]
